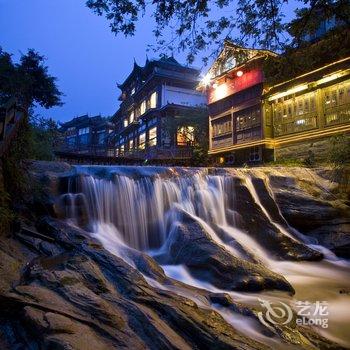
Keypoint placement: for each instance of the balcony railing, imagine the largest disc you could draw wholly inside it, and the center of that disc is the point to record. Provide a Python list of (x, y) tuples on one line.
[(158, 152), (338, 115), (301, 123)]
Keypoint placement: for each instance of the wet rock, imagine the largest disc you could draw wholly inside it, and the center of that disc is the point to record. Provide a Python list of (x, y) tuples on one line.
[(311, 207), (223, 299), (335, 236), (268, 235), (91, 292), (190, 244)]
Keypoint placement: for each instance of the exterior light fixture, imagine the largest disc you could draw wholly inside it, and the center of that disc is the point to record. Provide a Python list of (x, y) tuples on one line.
[(329, 78), (288, 92), (239, 73), (206, 79)]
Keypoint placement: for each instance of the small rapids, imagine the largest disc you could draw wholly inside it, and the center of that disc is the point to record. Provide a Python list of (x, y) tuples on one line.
[(140, 207)]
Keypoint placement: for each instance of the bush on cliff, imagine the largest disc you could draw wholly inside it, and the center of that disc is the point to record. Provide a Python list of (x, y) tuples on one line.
[(29, 82)]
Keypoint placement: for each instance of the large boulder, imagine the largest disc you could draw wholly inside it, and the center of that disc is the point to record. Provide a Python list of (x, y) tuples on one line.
[(278, 244), (191, 244), (87, 290), (335, 235)]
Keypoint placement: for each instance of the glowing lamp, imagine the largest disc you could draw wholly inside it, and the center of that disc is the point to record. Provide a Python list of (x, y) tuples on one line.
[(221, 91), (206, 80), (239, 73), (215, 85)]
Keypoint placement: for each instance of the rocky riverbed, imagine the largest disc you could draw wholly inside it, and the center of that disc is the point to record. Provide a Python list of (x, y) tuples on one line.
[(66, 285)]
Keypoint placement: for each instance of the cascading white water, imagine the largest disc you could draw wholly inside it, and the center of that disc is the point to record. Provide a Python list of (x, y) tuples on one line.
[(143, 209), (140, 210)]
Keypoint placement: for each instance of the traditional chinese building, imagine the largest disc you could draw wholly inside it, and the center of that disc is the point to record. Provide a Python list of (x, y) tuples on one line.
[(234, 86), (252, 120), (86, 135), (305, 111), (159, 111)]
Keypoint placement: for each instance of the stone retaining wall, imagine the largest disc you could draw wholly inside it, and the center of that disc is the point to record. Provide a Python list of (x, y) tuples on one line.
[(318, 149)]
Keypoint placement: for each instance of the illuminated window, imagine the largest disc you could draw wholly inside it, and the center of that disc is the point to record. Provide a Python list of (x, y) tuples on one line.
[(298, 113), (132, 90), (131, 144), (222, 126), (153, 136), (331, 118), (153, 100), (143, 107), (122, 149), (142, 140), (185, 135), (126, 122), (131, 116)]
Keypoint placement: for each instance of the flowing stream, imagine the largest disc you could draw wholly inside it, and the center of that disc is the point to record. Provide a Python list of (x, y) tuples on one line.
[(138, 207)]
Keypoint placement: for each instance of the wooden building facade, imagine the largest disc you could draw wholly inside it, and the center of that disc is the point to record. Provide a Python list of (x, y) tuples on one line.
[(234, 86), (304, 112), (86, 135), (251, 122), (158, 103)]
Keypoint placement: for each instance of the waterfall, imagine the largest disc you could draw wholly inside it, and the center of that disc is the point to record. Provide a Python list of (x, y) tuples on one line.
[(141, 207)]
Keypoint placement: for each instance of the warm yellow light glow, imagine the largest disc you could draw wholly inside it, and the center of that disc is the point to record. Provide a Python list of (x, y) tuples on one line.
[(220, 91), (288, 92), (221, 160), (206, 79), (239, 73), (285, 139), (215, 85), (328, 78)]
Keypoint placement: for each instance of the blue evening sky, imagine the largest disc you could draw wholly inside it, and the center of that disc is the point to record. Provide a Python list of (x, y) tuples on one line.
[(81, 51)]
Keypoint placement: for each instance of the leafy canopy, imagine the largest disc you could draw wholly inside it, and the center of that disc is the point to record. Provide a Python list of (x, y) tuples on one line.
[(28, 81), (197, 25)]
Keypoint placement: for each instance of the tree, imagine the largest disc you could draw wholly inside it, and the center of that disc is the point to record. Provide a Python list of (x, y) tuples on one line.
[(197, 25), (45, 136), (28, 81)]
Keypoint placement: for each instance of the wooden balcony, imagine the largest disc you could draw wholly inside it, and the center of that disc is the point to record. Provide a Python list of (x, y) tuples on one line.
[(338, 115), (301, 123)]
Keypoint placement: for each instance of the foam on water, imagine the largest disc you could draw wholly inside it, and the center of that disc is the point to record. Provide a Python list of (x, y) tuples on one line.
[(138, 207)]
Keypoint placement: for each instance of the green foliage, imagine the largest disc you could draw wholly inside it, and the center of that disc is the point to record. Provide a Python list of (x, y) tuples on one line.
[(14, 167), (199, 120), (308, 19), (202, 25), (6, 214), (44, 137), (287, 162), (339, 158), (334, 46), (28, 81), (339, 153)]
